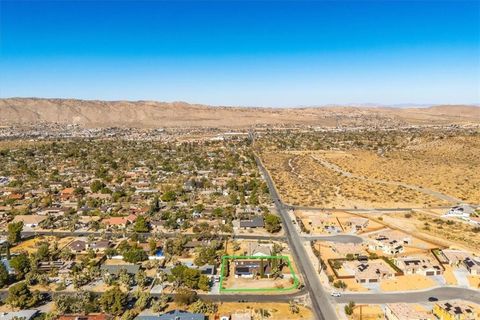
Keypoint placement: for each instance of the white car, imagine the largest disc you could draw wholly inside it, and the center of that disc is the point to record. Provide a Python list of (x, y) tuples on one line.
[(335, 294)]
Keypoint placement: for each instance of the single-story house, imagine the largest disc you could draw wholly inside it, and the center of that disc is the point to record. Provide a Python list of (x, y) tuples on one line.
[(78, 246), (473, 266), (173, 315), (30, 221), (372, 272), (251, 268), (404, 311), (419, 265), (114, 269), (255, 222)]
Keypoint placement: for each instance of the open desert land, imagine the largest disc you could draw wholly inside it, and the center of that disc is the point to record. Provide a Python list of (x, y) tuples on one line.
[(303, 181), (449, 165), (436, 231), (31, 245), (154, 114), (277, 311), (367, 312), (426, 169)]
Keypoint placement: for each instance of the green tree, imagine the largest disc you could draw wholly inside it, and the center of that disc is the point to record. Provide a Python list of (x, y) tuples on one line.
[(169, 196), (141, 278), (349, 308), (272, 223), (204, 283), (20, 264), (134, 255), (3, 275), (204, 307), (141, 225), (19, 296), (113, 301), (185, 297), (161, 304), (96, 186), (15, 232)]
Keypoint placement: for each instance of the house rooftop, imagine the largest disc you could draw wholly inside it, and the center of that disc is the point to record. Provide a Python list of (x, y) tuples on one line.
[(23, 314), (255, 222), (456, 308), (173, 315)]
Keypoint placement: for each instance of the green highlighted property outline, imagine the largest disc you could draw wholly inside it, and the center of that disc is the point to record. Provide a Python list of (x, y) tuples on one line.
[(295, 284)]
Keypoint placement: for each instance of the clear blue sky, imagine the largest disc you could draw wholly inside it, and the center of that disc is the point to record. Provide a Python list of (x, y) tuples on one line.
[(268, 53)]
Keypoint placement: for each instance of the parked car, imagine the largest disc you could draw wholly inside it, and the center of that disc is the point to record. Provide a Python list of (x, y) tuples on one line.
[(335, 294)]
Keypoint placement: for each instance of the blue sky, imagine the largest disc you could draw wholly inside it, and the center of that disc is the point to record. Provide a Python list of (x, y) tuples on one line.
[(267, 53)]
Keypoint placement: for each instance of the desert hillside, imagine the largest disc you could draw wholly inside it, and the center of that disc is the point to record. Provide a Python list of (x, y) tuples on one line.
[(150, 114)]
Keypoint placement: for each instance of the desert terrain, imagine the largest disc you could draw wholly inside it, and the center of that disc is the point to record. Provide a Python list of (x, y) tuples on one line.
[(151, 114), (423, 170)]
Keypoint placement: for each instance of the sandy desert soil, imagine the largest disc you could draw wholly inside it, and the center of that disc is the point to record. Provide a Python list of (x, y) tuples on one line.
[(301, 180)]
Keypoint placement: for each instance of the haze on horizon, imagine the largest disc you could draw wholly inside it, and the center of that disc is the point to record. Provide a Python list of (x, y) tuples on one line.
[(257, 53)]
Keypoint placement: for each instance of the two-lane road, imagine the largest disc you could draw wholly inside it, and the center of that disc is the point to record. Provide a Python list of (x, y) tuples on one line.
[(321, 305), (442, 293)]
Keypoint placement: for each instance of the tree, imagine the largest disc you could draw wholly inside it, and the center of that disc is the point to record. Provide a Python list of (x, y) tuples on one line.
[(19, 296), (134, 255), (340, 284), (141, 225), (293, 307), (143, 298), (125, 278), (15, 232), (161, 304), (169, 196), (204, 283), (206, 255), (204, 307), (43, 252), (113, 301), (272, 223), (81, 303), (20, 264), (185, 297), (349, 308), (3, 275), (191, 278), (337, 264), (141, 278), (96, 186)]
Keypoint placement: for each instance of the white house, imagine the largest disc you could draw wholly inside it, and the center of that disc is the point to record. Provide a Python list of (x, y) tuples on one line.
[(462, 211)]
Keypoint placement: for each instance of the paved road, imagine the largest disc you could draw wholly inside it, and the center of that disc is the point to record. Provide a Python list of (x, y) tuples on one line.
[(211, 297), (321, 304), (339, 238), (444, 293)]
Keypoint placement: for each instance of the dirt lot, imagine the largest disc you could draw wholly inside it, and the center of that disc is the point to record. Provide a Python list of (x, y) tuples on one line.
[(474, 282), (369, 312), (277, 310), (302, 180), (407, 282), (448, 165), (30, 245), (441, 232), (425, 171)]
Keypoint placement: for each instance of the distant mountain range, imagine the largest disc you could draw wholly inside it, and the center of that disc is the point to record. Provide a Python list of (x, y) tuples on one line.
[(151, 114)]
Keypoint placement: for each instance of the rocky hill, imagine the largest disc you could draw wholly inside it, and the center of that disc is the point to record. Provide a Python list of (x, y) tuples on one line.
[(151, 114)]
